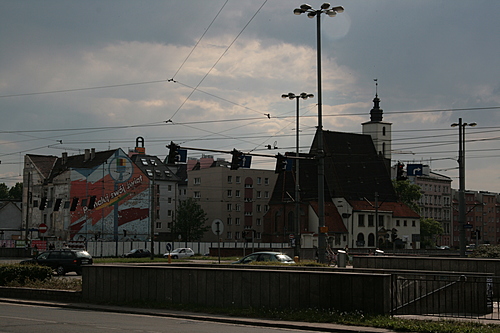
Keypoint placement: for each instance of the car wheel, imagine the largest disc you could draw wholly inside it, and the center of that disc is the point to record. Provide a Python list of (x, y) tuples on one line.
[(60, 270), (174, 257)]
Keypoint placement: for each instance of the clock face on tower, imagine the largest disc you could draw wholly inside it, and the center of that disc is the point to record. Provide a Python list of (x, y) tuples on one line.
[(121, 168)]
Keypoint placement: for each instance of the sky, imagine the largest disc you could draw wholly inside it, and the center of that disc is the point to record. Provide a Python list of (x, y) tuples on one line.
[(210, 75)]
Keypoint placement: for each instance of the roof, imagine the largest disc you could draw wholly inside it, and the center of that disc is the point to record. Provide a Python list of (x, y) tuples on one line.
[(43, 163), (398, 209), (153, 164), (333, 220), (353, 169)]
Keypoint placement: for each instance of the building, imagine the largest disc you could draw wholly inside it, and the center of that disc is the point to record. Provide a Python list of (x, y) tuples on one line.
[(95, 195), (436, 200), (10, 220), (482, 218), (239, 198)]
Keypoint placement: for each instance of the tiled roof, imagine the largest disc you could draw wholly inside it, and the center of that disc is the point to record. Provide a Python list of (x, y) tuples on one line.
[(44, 163), (333, 220)]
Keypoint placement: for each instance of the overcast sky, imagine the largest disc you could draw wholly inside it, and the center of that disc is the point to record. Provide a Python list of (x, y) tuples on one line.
[(95, 74)]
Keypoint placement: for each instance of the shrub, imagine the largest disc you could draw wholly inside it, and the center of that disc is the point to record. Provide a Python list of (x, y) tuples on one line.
[(22, 273), (486, 251)]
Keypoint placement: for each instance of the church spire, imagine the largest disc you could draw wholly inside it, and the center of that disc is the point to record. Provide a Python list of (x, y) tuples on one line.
[(376, 112)]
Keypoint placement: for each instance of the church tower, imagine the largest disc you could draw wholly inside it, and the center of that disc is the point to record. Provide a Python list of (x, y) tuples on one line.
[(379, 130)]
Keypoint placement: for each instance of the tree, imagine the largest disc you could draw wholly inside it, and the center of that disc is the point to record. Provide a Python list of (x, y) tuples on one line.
[(16, 192), (429, 230), (190, 220), (4, 191), (408, 193)]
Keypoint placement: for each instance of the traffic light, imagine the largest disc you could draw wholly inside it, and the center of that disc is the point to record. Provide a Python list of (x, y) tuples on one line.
[(173, 154), (236, 160), (400, 171), (43, 203), (74, 203), (57, 204), (91, 202), (282, 164)]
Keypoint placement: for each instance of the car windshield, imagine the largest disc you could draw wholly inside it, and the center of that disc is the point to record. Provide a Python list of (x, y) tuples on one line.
[(283, 257), (176, 251), (83, 254)]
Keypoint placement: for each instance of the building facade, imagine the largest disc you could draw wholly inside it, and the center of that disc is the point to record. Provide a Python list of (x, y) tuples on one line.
[(239, 198)]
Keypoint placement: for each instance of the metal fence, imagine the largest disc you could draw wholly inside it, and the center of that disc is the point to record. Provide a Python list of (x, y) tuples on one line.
[(446, 295)]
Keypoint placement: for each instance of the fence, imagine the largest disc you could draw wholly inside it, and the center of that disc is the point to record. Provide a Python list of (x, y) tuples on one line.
[(446, 295)]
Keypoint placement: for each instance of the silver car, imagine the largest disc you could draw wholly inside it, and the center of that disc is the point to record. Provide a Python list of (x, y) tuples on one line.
[(179, 253)]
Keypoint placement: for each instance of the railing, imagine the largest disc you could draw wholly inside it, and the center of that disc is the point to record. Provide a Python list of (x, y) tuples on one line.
[(446, 295)]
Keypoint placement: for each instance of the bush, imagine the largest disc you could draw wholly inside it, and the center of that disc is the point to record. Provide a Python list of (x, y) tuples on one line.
[(486, 251), (22, 273)]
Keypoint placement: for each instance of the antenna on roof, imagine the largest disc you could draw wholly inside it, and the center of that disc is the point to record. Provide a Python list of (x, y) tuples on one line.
[(376, 87)]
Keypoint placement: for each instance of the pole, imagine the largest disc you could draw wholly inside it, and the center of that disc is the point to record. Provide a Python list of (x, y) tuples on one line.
[(28, 196), (376, 222), (461, 190), (153, 213), (320, 153), (297, 187)]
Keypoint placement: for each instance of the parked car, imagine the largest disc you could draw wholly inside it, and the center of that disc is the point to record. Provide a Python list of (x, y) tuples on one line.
[(182, 252), (277, 257), (62, 261), (138, 253)]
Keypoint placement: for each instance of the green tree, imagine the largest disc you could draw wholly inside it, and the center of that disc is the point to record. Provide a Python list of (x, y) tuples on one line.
[(16, 192), (190, 221), (429, 230), (408, 193), (4, 191)]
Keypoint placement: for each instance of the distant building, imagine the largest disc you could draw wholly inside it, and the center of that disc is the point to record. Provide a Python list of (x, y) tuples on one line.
[(239, 198), (95, 195), (436, 200), (11, 220)]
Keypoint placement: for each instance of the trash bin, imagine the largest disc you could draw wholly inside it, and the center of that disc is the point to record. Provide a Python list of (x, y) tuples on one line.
[(341, 258)]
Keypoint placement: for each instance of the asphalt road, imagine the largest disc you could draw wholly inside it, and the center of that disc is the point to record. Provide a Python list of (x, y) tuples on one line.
[(32, 317)]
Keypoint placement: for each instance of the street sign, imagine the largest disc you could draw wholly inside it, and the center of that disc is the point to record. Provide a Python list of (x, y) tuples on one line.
[(245, 161), (291, 236), (468, 226), (217, 227), (169, 247), (42, 228), (414, 170)]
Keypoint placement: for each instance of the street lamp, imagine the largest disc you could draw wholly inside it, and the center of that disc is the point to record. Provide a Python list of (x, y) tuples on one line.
[(461, 177), (311, 13), (297, 186)]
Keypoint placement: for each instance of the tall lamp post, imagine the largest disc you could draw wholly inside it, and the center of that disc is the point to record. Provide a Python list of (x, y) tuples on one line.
[(461, 177), (297, 184), (311, 13)]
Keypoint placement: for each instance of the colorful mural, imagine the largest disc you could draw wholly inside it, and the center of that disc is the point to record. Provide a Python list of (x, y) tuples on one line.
[(113, 201)]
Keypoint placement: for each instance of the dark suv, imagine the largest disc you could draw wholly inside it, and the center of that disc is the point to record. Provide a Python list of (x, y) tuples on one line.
[(63, 261)]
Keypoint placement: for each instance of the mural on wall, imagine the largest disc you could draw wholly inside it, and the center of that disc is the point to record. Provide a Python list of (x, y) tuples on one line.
[(113, 201)]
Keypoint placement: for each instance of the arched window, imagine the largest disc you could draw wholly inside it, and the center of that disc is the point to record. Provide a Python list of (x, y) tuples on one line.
[(361, 237), (371, 240)]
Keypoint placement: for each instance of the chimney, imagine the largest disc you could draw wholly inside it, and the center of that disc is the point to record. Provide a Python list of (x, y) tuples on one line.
[(92, 153), (64, 158), (86, 157)]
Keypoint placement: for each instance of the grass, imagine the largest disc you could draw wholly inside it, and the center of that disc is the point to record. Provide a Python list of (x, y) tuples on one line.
[(59, 283)]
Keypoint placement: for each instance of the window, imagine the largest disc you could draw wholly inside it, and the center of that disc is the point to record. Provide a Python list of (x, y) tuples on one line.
[(229, 179), (237, 207), (237, 235), (259, 180), (266, 194), (229, 235), (169, 213), (361, 220), (149, 172), (266, 208), (158, 225), (258, 194), (259, 208), (170, 188), (229, 221), (405, 223), (229, 207), (413, 223), (237, 193), (370, 220), (266, 181), (144, 161), (237, 221), (197, 180), (197, 194), (169, 200), (381, 220), (229, 193), (238, 179), (398, 223), (258, 221)]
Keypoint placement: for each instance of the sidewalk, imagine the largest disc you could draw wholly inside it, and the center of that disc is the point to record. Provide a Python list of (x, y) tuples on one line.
[(317, 327)]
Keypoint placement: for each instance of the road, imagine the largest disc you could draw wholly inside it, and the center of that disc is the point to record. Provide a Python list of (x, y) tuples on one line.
[(36, 318)]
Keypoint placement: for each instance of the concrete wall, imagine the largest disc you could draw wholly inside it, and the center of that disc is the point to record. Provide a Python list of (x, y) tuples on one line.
[(242, 288), (429, 264)]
